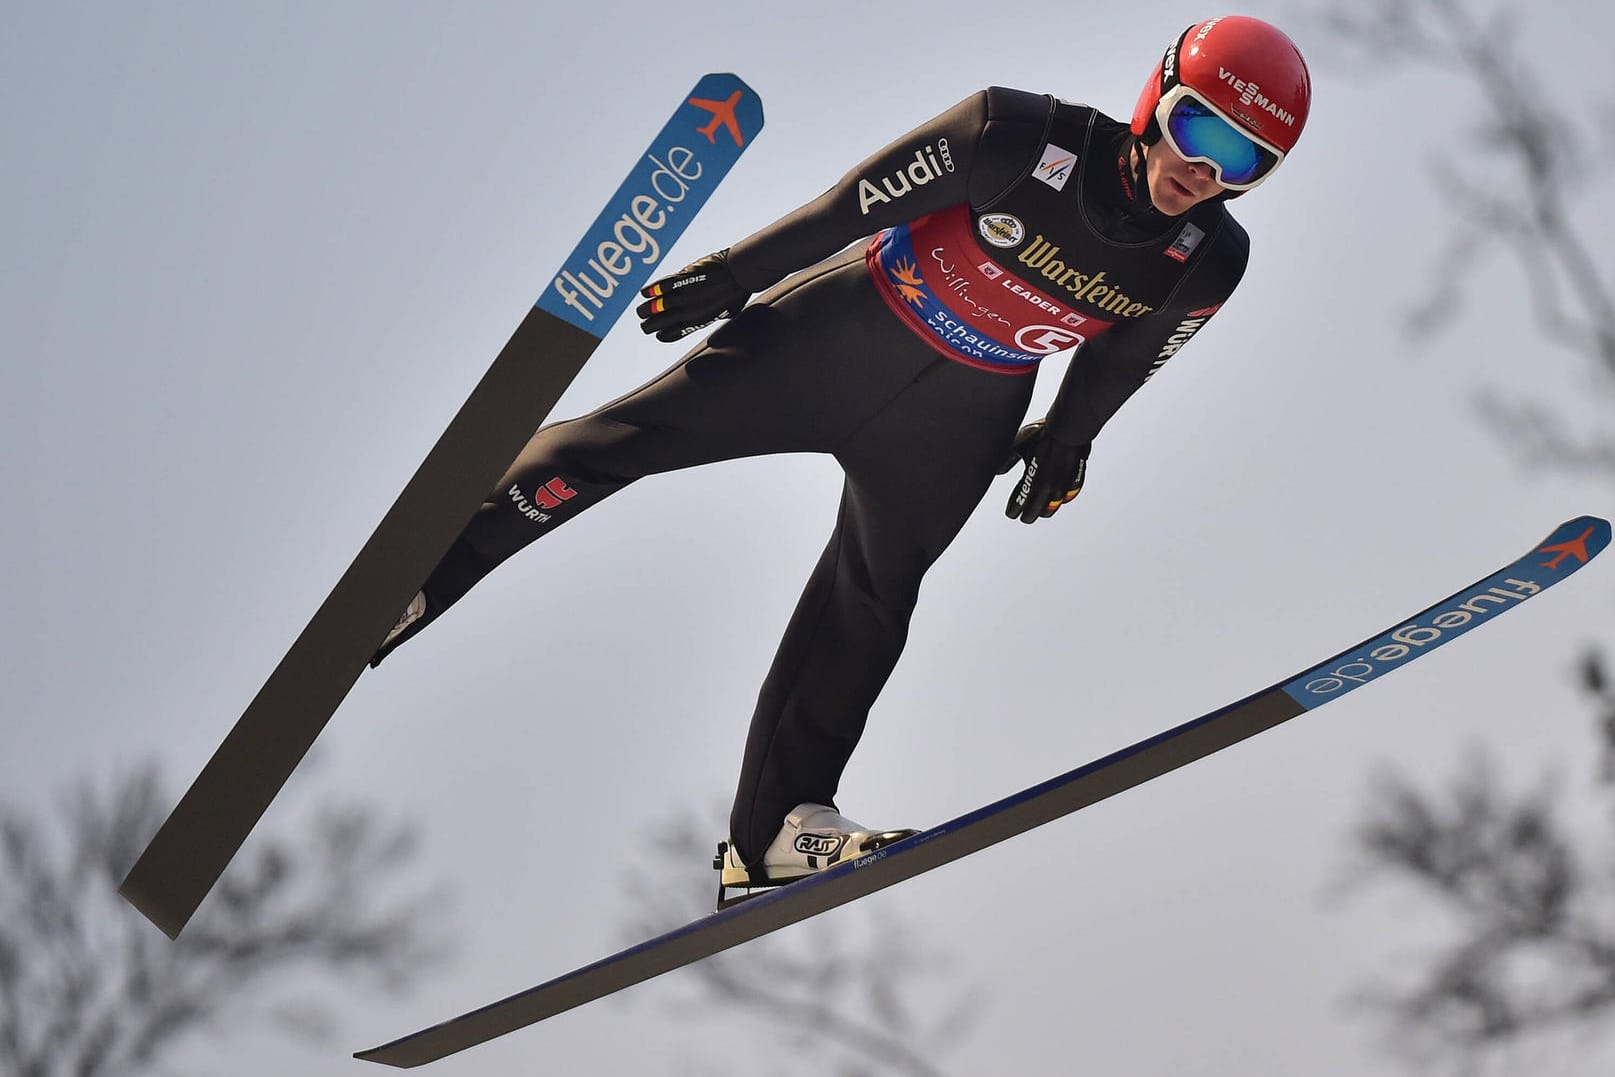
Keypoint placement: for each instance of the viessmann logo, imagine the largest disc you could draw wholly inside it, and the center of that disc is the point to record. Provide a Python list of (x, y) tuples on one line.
[(651, 208), (1251, 96)]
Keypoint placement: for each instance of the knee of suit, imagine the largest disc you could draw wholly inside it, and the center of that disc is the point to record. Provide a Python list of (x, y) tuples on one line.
[(890, 592), (588, 467), (459, 571)]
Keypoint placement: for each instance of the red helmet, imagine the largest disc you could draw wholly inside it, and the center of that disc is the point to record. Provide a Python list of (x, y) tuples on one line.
[(1245, 69)]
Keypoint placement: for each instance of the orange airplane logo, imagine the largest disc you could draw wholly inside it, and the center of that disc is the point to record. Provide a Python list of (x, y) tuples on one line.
[(723, 112), (1576, 547)]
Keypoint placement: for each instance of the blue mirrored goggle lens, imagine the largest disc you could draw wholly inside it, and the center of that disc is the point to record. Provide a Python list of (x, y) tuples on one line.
[(1199, 132)]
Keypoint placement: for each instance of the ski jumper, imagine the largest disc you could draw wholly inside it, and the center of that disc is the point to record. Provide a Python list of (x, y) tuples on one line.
[(1007, 229)]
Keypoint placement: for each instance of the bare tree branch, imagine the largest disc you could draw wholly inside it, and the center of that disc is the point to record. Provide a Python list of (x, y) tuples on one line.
[(88, 988), (1596, 682), (1543, 437), (1534, 947), (1539, 164)]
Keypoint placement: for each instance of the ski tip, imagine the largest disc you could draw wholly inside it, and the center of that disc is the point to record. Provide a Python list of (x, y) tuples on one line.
[(729, 98), (1574, 543), (726, 78), (1571, 545)]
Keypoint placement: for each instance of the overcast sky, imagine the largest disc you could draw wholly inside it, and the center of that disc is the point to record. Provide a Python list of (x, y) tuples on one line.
[(255, 256)]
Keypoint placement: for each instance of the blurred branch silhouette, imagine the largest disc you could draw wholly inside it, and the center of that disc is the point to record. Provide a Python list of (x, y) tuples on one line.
[(89, 988), (1535, 944), (1595, 680), (843, 992), (1534, 950), (1514, 185)]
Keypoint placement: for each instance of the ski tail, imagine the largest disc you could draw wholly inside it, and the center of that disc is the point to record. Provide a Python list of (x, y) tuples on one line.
[(1564, 552)]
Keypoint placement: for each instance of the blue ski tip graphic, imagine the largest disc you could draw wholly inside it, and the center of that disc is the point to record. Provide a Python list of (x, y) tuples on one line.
[(1571, 546), (696, 148)]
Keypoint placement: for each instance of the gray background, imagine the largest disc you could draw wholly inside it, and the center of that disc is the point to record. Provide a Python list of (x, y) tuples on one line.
[(254, 258)]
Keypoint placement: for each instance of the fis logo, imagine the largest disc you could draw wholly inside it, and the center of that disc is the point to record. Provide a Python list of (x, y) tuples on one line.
[(1055, 166), (650, 210)]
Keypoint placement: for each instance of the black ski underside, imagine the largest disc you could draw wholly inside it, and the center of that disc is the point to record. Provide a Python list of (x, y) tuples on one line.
[(258, 756)]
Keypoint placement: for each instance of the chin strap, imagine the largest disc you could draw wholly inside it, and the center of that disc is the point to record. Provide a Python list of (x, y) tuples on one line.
[(1135, 177)]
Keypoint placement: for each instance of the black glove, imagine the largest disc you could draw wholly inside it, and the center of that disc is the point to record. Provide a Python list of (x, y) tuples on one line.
[(1053, 476), (695, 296)]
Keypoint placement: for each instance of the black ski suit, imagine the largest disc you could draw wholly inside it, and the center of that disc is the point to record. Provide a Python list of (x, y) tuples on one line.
[(1008, 229)]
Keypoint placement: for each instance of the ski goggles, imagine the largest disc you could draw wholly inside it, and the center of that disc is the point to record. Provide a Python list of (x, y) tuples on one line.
[(1198, 131)]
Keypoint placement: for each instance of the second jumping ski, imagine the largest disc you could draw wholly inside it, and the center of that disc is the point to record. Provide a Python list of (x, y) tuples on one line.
[(1562, 553)]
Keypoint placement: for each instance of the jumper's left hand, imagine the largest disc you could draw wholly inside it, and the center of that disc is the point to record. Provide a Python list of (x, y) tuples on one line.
[(1053, 477), (694, 297)]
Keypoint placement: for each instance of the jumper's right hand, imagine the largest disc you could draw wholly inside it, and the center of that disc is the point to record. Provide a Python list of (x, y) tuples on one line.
[(694, 297), (1054, 473)]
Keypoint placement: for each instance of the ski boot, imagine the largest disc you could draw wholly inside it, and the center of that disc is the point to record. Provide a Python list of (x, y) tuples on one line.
[(412, 613), (813, 838)]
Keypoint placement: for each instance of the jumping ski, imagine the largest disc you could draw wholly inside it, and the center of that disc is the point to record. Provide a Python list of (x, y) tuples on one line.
[(700, 143), (1568, 548)]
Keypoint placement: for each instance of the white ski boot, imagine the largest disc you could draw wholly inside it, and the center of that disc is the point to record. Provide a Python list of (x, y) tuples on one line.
[(813, 838), (412, 613)]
